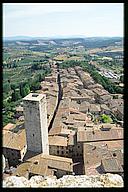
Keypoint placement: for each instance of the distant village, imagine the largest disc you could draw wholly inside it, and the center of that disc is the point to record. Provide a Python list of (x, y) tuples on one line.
[(60, 131)]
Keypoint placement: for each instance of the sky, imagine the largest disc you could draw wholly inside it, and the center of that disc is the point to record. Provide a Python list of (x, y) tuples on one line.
[(63, 19)]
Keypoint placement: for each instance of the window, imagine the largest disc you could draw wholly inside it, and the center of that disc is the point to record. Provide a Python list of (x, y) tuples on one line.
[(62, 152), (36, 162), (35, 95), (114, 154), (33, 135)]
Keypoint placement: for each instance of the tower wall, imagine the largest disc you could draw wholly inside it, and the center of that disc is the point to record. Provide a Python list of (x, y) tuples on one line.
[(36, 123)]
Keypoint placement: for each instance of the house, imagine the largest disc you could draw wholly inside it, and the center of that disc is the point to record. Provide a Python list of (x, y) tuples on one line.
[(94, 109), (80, 99), (19, 111), (112, 104), (57, 145), (9, 127), (104, 99), (120, 112), (99, 135), (100, 92), (84, 107), (51, 79), (111, 165), (45, 165), (94, 86), (105, 109), (97, 157), (14, 147)]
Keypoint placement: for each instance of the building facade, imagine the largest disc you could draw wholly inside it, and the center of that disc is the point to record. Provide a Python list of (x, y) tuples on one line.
[(35, 113)]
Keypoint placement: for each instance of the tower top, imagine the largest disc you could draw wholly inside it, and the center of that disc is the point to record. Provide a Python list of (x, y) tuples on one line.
[(34, 97)]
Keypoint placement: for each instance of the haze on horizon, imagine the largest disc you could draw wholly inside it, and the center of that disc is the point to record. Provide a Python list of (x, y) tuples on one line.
[(63, 19)]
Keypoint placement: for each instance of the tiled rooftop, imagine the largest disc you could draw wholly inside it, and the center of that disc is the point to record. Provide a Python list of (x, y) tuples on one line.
[(98, 135), (57, 140), (9, 126), (14, 140)]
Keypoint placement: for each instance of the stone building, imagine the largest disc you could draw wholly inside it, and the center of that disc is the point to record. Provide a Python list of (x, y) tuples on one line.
[(36, 123), (14, 146)]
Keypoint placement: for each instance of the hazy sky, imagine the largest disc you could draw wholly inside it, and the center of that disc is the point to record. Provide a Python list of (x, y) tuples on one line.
[(49, 19)]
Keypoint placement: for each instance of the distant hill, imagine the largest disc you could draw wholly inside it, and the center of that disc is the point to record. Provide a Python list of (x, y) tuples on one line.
[(16, 38), (99, 42), (88, 42)]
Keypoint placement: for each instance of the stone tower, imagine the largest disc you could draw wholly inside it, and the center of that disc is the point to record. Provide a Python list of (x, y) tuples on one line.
[(35, 113)]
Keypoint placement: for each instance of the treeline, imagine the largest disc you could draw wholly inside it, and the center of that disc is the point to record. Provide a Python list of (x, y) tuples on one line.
[(20, 90), (14, 92), (66, 64), (10, 65), (104, 81)]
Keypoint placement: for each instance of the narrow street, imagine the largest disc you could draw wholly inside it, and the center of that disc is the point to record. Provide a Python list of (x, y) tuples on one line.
[(60, 94)]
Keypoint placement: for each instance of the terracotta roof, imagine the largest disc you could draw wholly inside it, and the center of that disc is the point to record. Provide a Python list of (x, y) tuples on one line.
[(55, 130), (9, 126), (19, 109), (89, 92), (95, 86), (94, 152), (94, 108), (57, 162), (98, 135), (4, 132), (22, 169), (105, 97), (35, 165), (120, 109), (57, 140), (100, 91), (104, 107), (14, 140), (78, 117), (65, 131), (111, 165), (39, 167), (41, 163), (111, 145)]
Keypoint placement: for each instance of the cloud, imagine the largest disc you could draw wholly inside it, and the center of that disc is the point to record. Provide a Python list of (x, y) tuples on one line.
[(60, 18), (17, 10), (31, 9)]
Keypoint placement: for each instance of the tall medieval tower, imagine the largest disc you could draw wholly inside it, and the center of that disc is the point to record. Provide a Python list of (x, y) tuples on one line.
[(35, 113)]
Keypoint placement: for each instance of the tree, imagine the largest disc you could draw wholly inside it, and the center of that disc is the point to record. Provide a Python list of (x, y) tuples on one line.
[(24, 89), (105, 118), (36, 66), (14, 86), (16, 95), (35, 86), (122, 78), (6, 87)]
